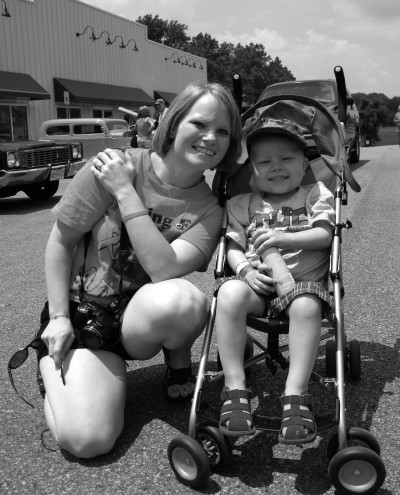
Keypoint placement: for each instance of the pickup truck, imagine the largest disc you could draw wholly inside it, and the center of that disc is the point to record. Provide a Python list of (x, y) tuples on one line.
[(36, 167)]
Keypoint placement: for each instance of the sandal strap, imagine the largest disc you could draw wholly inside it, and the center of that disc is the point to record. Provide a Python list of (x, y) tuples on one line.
[(227, 394), (296, 416), (299, 400), (179, 376)]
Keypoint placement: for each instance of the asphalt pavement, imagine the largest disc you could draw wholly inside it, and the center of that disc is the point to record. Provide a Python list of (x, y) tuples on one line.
[(32, 463)]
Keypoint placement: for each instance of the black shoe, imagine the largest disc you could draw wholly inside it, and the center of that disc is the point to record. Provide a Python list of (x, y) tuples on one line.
[(180, 376)]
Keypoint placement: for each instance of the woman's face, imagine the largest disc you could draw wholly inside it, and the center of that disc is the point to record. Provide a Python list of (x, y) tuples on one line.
[(203, 136)]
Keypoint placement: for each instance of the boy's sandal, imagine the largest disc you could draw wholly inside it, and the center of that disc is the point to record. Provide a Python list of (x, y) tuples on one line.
[(235, 414), (296, 420), (180, 376)]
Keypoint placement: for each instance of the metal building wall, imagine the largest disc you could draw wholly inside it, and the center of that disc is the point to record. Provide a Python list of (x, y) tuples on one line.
[(40, 39)]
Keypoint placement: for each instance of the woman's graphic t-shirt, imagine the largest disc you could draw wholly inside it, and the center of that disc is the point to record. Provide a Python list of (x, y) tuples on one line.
[(87, 207)]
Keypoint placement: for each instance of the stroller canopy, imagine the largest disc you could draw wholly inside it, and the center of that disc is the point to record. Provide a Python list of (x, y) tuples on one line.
[(313, 118)]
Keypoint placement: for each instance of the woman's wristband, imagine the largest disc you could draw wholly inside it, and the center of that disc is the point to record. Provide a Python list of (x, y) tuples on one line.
[(135, 214), (240, 266)]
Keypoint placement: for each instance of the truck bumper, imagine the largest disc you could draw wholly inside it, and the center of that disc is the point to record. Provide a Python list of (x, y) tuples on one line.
[(74, 168), (27, 177)]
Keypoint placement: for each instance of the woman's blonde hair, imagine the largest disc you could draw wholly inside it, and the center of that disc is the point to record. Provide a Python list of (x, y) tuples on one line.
[(164, 136)]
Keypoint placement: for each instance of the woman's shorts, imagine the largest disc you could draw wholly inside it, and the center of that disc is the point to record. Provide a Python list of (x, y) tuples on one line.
[(118, 348), (274, 307)]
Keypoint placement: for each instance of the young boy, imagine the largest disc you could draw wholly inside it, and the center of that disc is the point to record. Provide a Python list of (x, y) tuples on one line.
[(297, 220)]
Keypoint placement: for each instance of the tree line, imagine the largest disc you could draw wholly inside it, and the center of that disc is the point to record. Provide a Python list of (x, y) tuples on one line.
[(258, 70), (223, 59)]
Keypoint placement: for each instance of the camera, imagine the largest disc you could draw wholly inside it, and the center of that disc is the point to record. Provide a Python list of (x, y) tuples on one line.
[(98, 325)]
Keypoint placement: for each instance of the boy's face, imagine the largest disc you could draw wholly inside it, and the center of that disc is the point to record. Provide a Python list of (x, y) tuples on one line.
[(278, 166)]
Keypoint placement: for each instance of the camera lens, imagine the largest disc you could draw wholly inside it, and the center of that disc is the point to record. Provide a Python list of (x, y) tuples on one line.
[(91, 336)]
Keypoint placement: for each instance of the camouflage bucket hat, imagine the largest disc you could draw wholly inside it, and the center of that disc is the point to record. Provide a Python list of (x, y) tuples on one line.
[(284, 127)]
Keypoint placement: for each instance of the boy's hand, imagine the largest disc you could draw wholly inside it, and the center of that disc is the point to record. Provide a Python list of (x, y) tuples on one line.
[(260, 281), (266, 238)]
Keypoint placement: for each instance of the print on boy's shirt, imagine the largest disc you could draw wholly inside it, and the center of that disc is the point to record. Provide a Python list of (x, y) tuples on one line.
[(284, 219)]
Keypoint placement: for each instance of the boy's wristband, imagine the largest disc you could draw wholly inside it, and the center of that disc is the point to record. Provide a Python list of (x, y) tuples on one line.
[(245, 270), (241, 265)]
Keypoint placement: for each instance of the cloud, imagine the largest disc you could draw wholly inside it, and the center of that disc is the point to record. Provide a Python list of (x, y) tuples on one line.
[(272, 40)]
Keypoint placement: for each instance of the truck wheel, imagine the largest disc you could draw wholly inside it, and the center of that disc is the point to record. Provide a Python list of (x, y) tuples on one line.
[(42, 191)]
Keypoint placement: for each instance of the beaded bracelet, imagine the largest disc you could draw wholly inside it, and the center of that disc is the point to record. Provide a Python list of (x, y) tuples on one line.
[(61, 315), (135, 214)]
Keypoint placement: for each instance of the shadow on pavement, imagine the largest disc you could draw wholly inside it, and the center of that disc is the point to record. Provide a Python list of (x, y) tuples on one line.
[(24, 205), (257, 461)]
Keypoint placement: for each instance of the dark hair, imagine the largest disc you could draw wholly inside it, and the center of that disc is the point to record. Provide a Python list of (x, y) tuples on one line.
[(180, 107)]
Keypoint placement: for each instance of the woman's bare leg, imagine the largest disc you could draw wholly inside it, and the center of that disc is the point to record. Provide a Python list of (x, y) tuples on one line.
[(169, 314), (86, 415)]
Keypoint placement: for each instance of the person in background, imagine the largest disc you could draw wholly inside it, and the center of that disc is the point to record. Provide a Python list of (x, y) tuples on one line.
[(160, 107), (397, 123), (144, 128), (128, 228)]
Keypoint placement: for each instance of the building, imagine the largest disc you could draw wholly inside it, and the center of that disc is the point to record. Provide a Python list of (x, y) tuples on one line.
[(64, 58)]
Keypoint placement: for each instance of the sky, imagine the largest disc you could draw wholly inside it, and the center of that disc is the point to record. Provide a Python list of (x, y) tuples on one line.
[(310, 37)]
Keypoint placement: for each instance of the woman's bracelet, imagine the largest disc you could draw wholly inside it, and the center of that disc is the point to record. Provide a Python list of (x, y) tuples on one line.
[(242, 265), (59, 315), (135, 214)]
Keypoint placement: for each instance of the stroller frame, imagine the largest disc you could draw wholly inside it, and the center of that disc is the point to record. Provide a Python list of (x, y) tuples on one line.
[(355, 463)]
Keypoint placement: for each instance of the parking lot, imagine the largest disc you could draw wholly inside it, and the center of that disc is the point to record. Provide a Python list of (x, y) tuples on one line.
[(31, 462)]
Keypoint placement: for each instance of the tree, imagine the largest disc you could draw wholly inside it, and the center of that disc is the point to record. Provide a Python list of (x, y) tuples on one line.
[(170, 33), (256, 67)]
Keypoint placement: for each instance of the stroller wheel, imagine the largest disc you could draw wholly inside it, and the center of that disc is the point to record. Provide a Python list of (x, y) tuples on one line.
[(357, 470), (330, 358), (355, 437), (189, 461), (214, 444), (355, 360)]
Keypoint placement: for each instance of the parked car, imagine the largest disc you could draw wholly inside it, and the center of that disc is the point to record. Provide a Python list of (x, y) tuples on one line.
[(324, 91), (36, 167), (94, 134)]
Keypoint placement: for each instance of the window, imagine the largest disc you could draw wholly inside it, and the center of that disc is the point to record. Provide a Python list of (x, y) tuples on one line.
[(68, 113), (13, 123), (58, 130), (88, 129), (102, 113)]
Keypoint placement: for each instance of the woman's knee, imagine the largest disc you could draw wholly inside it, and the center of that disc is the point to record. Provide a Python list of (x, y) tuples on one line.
[(87, 442), (173, 299)]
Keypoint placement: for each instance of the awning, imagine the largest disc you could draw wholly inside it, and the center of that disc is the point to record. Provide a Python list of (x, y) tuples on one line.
[(16, 85), (167, 97), (90, 92)]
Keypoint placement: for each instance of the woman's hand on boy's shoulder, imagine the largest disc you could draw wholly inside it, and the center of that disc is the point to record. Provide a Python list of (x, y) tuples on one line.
[(114, 170)]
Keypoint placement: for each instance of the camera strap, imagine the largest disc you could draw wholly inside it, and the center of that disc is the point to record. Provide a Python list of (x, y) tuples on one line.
[(123, 255)]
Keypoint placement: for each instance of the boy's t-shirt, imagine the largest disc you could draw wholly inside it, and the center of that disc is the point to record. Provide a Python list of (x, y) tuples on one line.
[(308, 205), (87, 207)]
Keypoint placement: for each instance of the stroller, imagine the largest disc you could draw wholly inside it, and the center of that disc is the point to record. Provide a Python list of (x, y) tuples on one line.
[(355, 464)]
